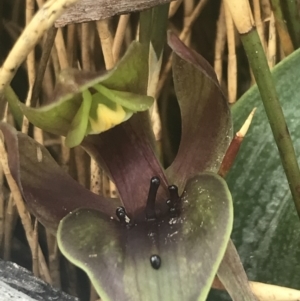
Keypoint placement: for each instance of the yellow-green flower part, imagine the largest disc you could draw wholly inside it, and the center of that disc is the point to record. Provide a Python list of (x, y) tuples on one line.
[(105, 114)]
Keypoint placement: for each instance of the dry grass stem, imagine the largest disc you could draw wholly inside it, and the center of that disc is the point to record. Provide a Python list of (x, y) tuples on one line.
[(9, 224), (80, 165), (85, 46), (48, 82), (241, 14), (220, 43), (38, 135), (30, 61), (40, 23), (271, 53), (71, 43), (61, 49), (232, 63), (53, 259), (119, 36), (265, 9), (258, 22), (23, 213), (46, 51), (106, 40), (35, 257), (65, 155), (96, 178), (269, 292), (2, 210), (174, 7), (166, 70), (55, 61), (188, 10)]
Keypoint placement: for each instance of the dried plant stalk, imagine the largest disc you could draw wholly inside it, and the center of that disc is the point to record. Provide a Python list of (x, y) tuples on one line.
[(119, 36), (182, 36), (2, 210), (232, 64), (80, 166), (174, 7), (271, 54), (53, 259), (85, 46), (265, 9), (258, 22), (23, 213), (10, 218), (61, 49), (35, 257), (40, 23), (106, 40), (46, 51), (188, 10), (220, 44), (30, 61), (71, 44), (96, 178)]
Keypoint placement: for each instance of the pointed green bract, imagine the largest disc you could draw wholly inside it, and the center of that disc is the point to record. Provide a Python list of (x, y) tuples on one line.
[(190, 247), (205, 115), (80, 121), (128, 100), (68, 114)]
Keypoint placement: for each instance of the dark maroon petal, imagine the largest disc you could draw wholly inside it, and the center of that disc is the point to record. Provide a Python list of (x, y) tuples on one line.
[(205, 115), (49, 192), (126, 153)]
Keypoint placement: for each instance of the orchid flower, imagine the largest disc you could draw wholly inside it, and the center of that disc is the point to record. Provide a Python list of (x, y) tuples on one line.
[(165, 237)]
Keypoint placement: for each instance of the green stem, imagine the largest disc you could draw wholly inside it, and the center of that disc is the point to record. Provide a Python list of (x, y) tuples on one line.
[(293, 19), (266, 86), (282, 29), (153, 27)]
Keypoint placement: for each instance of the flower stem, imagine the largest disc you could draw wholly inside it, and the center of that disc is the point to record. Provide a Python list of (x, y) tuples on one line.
[(266, 86)]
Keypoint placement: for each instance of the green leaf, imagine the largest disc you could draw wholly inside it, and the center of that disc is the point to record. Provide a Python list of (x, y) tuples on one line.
[(267, 228), (190, 246), (49, 192), (63, 116), (205, 115)]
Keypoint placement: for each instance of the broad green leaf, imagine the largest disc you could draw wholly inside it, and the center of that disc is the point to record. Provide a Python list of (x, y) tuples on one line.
[(49, 192), (126, 84), (190, 246), (266, 226), (205, 116)]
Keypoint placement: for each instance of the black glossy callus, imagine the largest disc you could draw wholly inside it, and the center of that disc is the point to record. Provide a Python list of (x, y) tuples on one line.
[(155, 261)]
